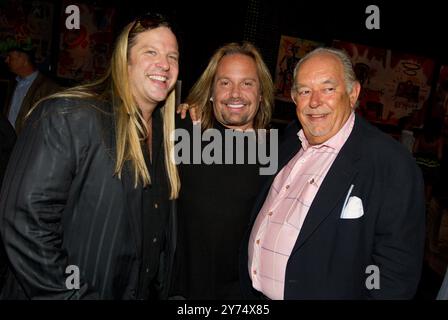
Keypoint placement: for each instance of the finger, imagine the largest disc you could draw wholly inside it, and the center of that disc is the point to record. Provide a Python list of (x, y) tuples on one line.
[(183, 113), (180, 108), (193, 114)]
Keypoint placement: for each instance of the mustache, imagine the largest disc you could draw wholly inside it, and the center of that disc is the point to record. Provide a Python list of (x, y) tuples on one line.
[(235, 101), (315, 111)]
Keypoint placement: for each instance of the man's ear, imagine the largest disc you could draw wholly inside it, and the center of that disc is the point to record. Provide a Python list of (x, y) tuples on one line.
[(293, 96), (354, 94)]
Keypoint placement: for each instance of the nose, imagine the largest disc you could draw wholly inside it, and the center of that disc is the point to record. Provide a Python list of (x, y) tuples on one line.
[(235, 92), (314, 99), (163, 63)]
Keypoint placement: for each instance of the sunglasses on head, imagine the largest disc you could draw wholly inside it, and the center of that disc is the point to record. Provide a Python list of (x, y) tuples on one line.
[(151, 20)]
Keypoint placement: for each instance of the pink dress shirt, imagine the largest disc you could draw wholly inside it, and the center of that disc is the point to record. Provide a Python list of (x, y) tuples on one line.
[(280, 219)]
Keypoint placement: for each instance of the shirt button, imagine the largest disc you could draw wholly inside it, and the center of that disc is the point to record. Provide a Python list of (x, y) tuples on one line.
[(287, 187), (154, 240), (258, 241), (147, 270), (156, 205), (255, 271), (270, 213)]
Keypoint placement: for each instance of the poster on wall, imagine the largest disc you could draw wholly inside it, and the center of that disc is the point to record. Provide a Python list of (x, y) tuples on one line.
[(442, 89), (442, 97), (290, 51), (84, 53), (27, 24), (394, 85)]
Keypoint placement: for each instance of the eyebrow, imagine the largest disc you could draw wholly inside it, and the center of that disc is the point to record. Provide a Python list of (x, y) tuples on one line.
[(244, 79), (148, 46), (330, 81), (327, 81)]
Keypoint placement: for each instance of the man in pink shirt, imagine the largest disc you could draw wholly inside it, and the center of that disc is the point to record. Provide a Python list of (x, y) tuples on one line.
[(344, 216)]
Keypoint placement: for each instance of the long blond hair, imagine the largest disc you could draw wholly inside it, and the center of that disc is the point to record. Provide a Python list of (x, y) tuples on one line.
[(202, 90), (114, 86)]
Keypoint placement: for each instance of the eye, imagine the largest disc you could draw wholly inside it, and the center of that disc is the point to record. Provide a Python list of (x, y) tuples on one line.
[(173, 58), (329, 89), (224, 83), (303, 92), (151, 52), (248, 83)]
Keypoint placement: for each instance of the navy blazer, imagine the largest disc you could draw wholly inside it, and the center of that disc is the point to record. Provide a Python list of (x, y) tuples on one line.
[(331, 256)]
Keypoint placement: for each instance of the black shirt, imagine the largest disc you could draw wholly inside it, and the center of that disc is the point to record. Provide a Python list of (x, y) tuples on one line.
[(155, 211), (214, 209)]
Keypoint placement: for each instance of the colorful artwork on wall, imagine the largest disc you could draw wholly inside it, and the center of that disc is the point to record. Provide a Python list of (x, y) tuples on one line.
[(394, 85), (27, 24), (290, 51), (441, 98), (84, 53)]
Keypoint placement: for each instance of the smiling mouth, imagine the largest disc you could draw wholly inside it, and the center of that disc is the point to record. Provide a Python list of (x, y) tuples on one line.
[(236, 106), (157, 77), (317, 117)]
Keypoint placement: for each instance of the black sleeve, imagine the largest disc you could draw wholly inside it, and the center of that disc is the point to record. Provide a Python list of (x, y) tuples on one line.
[(7, 141), (400, 233), (34, 195), (7, 134)]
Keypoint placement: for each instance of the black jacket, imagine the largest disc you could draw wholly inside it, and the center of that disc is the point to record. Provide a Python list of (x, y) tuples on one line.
[(7, 140), (62, 205), (41, 87), (330, 257)]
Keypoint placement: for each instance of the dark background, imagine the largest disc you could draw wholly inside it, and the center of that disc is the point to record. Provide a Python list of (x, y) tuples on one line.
[(202, 27), (412, 27)]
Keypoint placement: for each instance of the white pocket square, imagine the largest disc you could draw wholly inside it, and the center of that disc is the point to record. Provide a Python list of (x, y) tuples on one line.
[(353, 209)]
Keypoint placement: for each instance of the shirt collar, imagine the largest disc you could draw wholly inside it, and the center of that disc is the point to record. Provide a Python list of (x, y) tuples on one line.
[(28, 78), (336, 142)]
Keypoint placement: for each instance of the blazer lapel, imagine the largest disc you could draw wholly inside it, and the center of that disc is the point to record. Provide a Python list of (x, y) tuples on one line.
[(27, 102), (334, 186), (133, 195), (133, 202)]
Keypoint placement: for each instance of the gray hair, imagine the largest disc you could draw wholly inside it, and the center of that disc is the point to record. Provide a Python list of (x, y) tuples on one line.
[(349, 73)]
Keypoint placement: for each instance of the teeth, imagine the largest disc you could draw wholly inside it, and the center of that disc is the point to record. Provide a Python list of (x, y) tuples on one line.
[(236, 106), (317, 115), (158, 78)]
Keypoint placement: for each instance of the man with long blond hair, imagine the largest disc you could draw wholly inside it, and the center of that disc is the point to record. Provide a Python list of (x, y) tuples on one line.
[(235, 97), (87, 203)]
